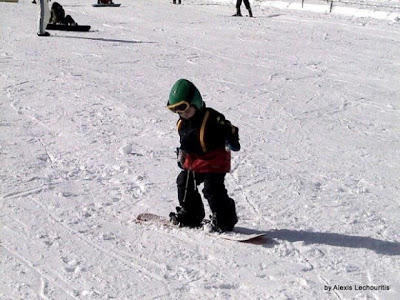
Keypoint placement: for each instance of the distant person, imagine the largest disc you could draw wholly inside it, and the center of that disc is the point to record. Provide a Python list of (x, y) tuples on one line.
[(43, 18), (57, 15), (238, 4)]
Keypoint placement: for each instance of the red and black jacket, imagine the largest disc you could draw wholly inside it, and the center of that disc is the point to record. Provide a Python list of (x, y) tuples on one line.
[(203, 138)]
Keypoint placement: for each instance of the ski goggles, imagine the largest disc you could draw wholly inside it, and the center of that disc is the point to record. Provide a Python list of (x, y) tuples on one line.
[(180, 107)]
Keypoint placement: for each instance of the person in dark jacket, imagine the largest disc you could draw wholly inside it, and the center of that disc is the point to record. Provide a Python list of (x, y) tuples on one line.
[(57, 15), (238, 4), (206, 139)]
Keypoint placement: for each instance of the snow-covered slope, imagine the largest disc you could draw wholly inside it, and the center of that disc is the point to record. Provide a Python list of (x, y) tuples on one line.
[(86, 144)]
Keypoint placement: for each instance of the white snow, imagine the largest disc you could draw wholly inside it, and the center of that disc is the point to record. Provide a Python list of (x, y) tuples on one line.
[(86, 144)]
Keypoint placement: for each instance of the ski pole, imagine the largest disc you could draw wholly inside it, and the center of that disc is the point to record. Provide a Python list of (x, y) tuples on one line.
[(186, 186)]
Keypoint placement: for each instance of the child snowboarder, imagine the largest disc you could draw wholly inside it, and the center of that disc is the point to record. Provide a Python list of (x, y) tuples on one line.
[(205, 140)]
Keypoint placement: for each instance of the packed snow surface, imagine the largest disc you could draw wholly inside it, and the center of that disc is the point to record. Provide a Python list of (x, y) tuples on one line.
[(86, 144)]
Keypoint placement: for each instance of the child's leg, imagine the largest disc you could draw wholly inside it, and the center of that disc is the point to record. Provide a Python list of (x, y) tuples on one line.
[(192, 208), (222, 207)]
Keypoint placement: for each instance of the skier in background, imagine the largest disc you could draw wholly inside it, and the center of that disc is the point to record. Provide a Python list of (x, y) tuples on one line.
[(238, 4), (206, 139), (43, 18)]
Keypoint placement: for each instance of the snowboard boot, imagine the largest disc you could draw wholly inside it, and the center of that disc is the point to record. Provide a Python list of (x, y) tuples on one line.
[(184, 219), (220, 227), (238, 13)]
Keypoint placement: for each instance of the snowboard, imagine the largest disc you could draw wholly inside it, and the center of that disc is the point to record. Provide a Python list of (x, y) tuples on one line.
[(238, 234), (68, 27), (106, 5)]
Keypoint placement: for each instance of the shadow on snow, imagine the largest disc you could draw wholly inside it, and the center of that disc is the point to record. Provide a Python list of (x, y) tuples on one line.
[(337, 240), (105, 40)]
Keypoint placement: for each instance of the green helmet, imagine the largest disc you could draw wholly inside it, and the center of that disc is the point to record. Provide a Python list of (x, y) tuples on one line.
[(184, 90)]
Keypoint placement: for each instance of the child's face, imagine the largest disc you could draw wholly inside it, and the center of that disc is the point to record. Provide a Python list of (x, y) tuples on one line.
[(189, 113)]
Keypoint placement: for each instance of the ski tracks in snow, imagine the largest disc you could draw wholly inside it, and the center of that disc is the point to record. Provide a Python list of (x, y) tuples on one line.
[(90, 145), (62, 234)]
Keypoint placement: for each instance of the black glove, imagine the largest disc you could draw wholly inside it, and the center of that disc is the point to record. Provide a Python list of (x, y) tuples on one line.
[(232, 139), (180, 157), (235, 146)]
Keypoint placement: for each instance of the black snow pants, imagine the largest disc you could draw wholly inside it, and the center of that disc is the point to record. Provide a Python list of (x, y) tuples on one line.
[(246, 3), (222, 207)]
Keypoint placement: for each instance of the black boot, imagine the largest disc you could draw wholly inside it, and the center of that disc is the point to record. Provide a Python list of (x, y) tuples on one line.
[(44, 34), (219, 226), (238, 13), (185, 219), (250, 13)]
